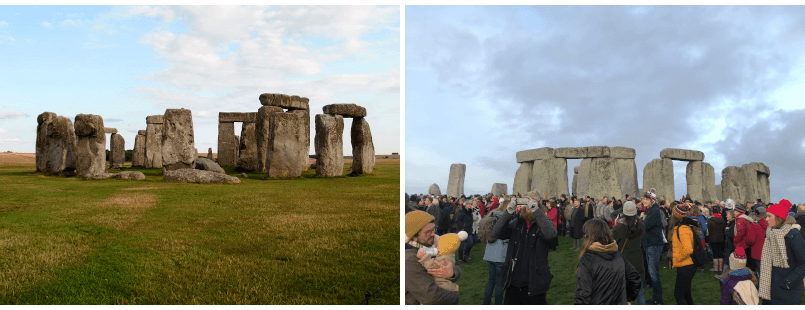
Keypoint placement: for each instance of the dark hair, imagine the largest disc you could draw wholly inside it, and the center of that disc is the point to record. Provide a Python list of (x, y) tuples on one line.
[(595, 230)]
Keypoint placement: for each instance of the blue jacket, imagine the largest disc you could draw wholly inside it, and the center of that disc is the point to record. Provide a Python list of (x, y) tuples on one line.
[(786, 283), (702, 224), (653, 223)]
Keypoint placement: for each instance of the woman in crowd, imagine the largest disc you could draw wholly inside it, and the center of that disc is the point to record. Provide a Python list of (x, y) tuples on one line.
[(603, 275), (782, 266), (716, 226), (553, 214), (628, 233), (682, 248), (495, 256), (701, 222)]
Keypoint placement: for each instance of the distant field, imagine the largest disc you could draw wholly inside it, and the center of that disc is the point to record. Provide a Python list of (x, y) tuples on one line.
[(308, 240)]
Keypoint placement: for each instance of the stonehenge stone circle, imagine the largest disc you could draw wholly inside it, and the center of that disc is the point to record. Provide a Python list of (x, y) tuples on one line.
[(522, 179), (208, 165), (549, 176), (746, 183), (363, 149), (733, 184), (584, 173), (329, 145), (499, 189), (229, 146), (659, 174), (284, 143), (434, 190), (42, 141), (262, 134), (455, 182), (153, 141), (304, 151), (700, 177), (91, 145), (627, 175), (138, 154), (247, 153), (178, 144), (227, 152), (680, 154), (61, 145), (117, 151), (602, 179), (188, 175), (345, 109)]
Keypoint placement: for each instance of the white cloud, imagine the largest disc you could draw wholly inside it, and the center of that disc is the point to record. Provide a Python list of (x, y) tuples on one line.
[(47, 25), (3, 130), (165, 13), (9, 141), (11, 114), (70, 22), (204, 114), (3, 23)]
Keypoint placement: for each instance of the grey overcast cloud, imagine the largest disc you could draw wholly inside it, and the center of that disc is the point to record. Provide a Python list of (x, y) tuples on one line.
[(485, 82)]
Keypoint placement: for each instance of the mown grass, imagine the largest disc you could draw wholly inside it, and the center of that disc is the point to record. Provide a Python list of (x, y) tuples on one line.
[(705, 288), (307, 240)]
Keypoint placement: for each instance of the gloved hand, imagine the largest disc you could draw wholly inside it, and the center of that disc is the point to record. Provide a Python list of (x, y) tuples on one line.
[(512, 206), (532, 205)]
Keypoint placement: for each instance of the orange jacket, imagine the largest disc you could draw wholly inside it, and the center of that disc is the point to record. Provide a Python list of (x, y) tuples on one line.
[(682, 246)]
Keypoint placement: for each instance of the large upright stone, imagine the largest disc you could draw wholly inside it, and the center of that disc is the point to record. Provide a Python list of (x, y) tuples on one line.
[(718, 192), (659, 174), (627, 176), (708, 183), (153, 141), (117, 151), (209, 154), (522, 178), (602, 178), (434, 190), (329, 145), (247, 153), (285, 101), (262, 133), (61, 146), (499, 189), (345, 110), (138, 154), (757, 177), (178, 143), (42, 141), (574, 187), (680, 154), (582, 185), (534, 154), (693, 176), (91, 145), (455, 182), (227, 149), (733, 185), (363, 149), (549, 176), (304, 150), (284, 143)]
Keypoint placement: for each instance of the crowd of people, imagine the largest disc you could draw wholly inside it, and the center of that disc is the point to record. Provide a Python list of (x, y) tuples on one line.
[(757, 250)]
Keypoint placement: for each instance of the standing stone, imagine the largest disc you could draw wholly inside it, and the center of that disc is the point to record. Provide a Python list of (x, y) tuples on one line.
[(584, 172), (765, 191), (733, 185), (262, 133), (659, 174), (91, 145), (363, 150), (61, 146), (329, 145), (750, 174), (304, 150), (153, 141), (549, 176), (455, 182), (602, 178), (209, 154), (247, 153), (42, 141), (499, 189), (627, 176), (718, 192), (117, 151), (227, 150), (522, 179), (284, 142), (138, 154), (434, 190), (574, 187), (693, 176), (708, 181), (178, 144)]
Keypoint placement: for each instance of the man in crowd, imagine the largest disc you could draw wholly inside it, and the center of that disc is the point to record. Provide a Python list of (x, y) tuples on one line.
[(420, 286), (653, 244), (444, 217)]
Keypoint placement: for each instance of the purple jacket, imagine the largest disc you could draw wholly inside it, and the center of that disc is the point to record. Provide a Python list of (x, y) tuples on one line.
[(728, 285)]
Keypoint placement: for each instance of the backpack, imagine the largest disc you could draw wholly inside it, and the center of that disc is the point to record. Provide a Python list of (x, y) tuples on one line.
[(485, 228), (699, 255)]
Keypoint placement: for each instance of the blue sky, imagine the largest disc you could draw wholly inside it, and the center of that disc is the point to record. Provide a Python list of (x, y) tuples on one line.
[(127, 62), (485, 82)]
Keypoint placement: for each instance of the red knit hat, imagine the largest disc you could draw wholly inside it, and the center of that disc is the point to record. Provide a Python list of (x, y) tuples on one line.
[(681, 210), (780, 209)]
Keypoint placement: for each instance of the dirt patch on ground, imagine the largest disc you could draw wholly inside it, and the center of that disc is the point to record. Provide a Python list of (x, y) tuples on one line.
[(121, 210), (17, 159)]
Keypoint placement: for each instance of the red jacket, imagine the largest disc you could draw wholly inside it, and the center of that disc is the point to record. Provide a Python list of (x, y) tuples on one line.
[(760, 238), (764, 224), (553, 214), (481, 208), (742, 233)]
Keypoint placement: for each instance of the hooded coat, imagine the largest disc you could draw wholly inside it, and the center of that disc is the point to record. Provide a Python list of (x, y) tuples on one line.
[(742, 232), (579, 218), (605, 277), (633, 250), (716, 226)]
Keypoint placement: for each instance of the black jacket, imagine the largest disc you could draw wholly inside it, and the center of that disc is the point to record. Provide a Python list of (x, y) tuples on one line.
[(653, 223), (444, 220), (579, 218), (633, 251), (529, 246), (464, 220), (606, 278)]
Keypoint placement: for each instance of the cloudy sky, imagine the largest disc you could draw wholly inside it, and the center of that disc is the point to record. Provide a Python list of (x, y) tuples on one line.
[(127, 62), (485, 82)]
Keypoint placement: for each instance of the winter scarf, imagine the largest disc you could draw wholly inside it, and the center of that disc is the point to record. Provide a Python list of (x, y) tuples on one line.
[(598, 247), (777, 256)]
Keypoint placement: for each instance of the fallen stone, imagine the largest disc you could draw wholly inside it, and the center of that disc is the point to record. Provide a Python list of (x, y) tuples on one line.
[(208, 165), (499, 189), (434, 190), (110, 130), (91, 145), (329, 145), (534, 154), (153, 141), (197, 176), (455, 182), (117, 151), (363, 149), (522, 178), (61, 147), (262, 134), (659, 174), (285, 141), (680, 154), (232, 117), (178, 144), (345, 109), (285, 101), (138, 154), (247, 154), (620, 152), (244, 175), (42, 142)]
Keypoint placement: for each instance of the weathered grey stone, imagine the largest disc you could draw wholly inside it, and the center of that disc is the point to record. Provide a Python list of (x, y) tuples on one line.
[(701, 180), (627, 176), (549, 176), (285, 101), (247, 154), (285, 140), (91, 145), (757, 181), (262, 134), (733, 185), (208, 165), (61, 146), (304, 150), (123, 175), (110, 130), (534, 154), (620, 152), (227, 151), (499, 189), (232, 117), (602, 178), (178, 143), (573, 187), (522, 179), (718, 192), (138, 154), (209, 155), (117, 151), (763, 186), (659, 174), (434, 190), (681, 154), (42, 142), (345, 109), (329, 145), (455, 182), (582, 185), (582, 152), (363, 149), (142, 132), (244, 175), (188, 175), (153, 141)]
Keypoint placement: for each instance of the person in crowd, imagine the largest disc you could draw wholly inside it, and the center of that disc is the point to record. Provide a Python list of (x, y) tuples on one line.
[(433, 209), (465, 220), (567, 215), (701, 223), (734, 291), (526, 274), (743, 234), (495, 256), (553, 214), (420, 286), (716, 226), (603, 275), (444, 250), (600, 210), (759, 238), (653, 242), (628, 233), (682, 248), (782, 267), (577, 223), (729, 237), (800, 218), (445, 220)]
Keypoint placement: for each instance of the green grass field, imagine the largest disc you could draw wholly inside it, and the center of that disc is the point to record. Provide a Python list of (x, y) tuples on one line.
[(307, 240), (705, 288)]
